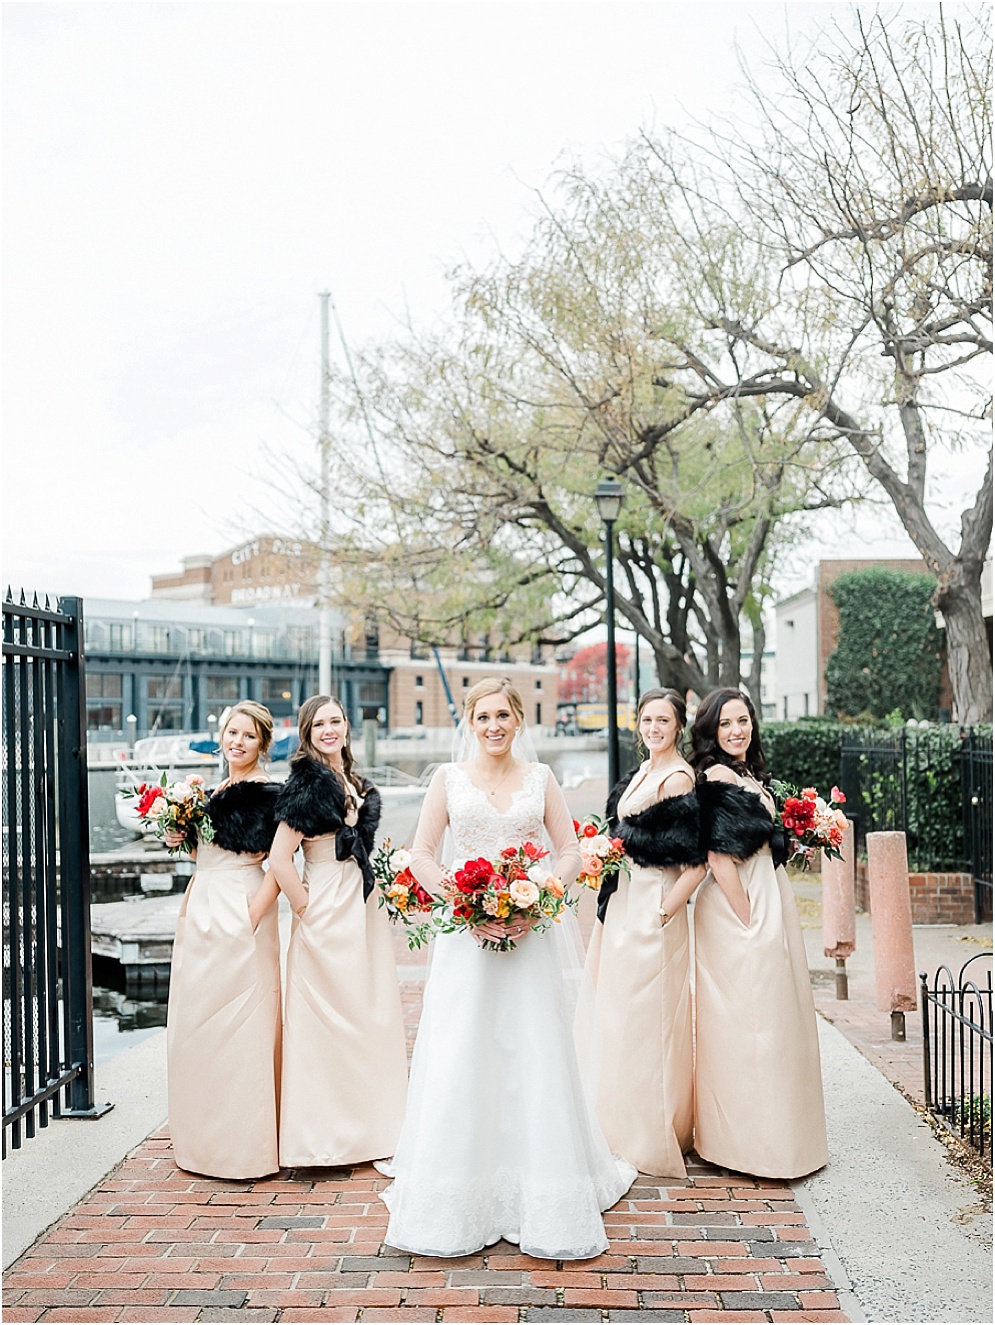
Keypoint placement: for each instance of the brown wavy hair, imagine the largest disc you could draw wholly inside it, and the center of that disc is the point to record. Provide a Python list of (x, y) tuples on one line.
[(306, 715)]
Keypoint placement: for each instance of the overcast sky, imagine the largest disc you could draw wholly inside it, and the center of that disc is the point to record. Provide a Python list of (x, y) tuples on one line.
[(182, 179)]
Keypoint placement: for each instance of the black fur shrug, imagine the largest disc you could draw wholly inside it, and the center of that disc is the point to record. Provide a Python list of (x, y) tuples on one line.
[(243, 816), (735, 822), (313, 802), (666, 833)]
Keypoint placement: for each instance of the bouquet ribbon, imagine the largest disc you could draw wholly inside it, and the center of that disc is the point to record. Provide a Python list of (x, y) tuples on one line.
[(349, 843)]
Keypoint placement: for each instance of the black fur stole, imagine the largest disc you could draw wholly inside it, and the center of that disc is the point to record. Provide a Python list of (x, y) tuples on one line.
[(665, 833), (735, 822), (312, 801), (243, 816)]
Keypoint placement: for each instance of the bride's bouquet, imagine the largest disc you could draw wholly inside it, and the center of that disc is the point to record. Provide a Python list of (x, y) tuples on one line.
[(810, 821), (401, 893), (174, 807), (601, 855), (516, 885)]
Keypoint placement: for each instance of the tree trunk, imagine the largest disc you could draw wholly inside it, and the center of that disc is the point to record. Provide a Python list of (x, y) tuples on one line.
[(968, 657)]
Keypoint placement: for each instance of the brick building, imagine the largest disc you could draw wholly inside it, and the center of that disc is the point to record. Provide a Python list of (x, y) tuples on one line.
[(272, 570)]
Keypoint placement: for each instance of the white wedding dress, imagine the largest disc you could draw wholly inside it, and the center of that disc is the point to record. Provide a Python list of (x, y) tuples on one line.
[(499, 1140)]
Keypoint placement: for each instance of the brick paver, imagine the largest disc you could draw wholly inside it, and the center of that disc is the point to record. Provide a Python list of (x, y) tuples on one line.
[(153, 1243)]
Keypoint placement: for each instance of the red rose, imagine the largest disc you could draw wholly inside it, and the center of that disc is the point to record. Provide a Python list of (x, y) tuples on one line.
[(533, 852), (590, 830), (576, 824), (617, 844), (509, 853), (150, 797), (798, 816)]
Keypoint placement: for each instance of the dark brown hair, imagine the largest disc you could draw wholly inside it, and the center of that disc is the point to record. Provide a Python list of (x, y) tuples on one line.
[(705, 748)]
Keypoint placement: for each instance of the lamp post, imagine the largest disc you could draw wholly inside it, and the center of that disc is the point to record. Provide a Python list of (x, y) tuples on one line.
[(609, 497)]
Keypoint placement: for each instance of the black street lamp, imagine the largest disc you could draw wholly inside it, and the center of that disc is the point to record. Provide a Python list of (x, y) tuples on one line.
[(609, 497)]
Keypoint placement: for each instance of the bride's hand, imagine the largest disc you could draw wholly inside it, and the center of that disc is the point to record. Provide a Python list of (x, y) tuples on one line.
[(494, 931)]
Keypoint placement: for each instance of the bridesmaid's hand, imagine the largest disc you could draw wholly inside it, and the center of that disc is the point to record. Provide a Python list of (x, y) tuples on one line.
[(174, 839), (666, 910)]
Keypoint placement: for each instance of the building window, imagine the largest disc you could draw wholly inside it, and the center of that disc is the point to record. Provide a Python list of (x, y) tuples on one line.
[(222, 687), (196, 640), (277, 687), (419, 714), (466, 682), (420, 682), (104, 685), (159, 639), (539, 714), (372, 692), (119, 637), (164, 687), (539, 685), (103, 717), (231, 643), (372, 638)]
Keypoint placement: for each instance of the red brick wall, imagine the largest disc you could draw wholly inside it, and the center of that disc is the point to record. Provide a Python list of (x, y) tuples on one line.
[(937, 899)]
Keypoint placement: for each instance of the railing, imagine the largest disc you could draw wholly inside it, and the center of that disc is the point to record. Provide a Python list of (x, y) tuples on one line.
[(935, 785), (48, 1008), (976, 776), (957, 1052)]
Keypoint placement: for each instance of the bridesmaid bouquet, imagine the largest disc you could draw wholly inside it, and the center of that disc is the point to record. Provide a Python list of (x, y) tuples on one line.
[(516, 884), (177, 807), (810, 821), (401, 893), (601, 855)]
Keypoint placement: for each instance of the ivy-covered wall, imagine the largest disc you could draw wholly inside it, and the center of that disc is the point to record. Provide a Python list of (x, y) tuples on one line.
[(889, 652)]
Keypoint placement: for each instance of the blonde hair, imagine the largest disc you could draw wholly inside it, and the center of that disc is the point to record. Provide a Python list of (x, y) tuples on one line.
[(260, 717), (493, 685)]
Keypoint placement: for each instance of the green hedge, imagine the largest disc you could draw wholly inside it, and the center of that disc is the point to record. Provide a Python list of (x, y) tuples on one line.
[(805, 753), (889, 652), (907, 778)]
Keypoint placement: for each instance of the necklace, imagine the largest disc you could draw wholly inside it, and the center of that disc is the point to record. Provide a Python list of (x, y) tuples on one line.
[(501, 779)]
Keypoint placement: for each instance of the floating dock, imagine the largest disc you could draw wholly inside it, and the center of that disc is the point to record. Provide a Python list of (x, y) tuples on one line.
[(137, 932)]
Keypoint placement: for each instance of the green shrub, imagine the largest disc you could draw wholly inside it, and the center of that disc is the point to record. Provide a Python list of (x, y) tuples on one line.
[(889, 653), (805, 753)]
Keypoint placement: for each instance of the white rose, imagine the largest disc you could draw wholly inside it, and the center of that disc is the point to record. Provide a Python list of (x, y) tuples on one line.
[(538, 875), (399, 860), (182, 791), (524, 893), (599, 845)]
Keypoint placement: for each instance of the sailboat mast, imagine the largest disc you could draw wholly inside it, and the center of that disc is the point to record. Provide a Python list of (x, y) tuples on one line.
[(324, 551)]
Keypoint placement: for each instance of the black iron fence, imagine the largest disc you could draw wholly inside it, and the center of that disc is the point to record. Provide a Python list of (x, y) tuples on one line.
[(935, 785), (48, 1007), (957, 1050)]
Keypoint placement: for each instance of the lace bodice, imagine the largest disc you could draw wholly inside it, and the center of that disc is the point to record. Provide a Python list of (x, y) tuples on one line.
[(479, 829), (537, 811)]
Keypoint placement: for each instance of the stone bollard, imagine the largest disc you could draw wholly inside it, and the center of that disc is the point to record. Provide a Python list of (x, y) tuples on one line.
[(891, 927), (839, 920)]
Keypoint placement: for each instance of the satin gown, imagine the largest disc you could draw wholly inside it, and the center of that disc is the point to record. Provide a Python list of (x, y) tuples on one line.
[(642, 974), (498, 1138), (345, 1069), (758, 1085), (223, 1023)]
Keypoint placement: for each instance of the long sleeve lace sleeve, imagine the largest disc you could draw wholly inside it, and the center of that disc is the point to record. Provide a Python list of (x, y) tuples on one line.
[(428, 835), (559, 826)]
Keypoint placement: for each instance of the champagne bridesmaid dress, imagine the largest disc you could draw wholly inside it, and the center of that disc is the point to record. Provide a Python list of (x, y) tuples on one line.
[(344, 1056), (223, 1020), (642, 977), (758, 1086)]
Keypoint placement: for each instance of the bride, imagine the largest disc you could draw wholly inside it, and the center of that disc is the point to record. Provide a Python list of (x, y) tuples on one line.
[(499, 1140)]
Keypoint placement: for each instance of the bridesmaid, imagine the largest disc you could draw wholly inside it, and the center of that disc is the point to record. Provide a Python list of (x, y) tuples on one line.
[(639, 957), (223, 1021), (758, 1085), (344, 1058)]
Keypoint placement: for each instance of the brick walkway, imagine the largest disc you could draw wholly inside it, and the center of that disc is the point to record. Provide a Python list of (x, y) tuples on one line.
[(153, 1243)]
